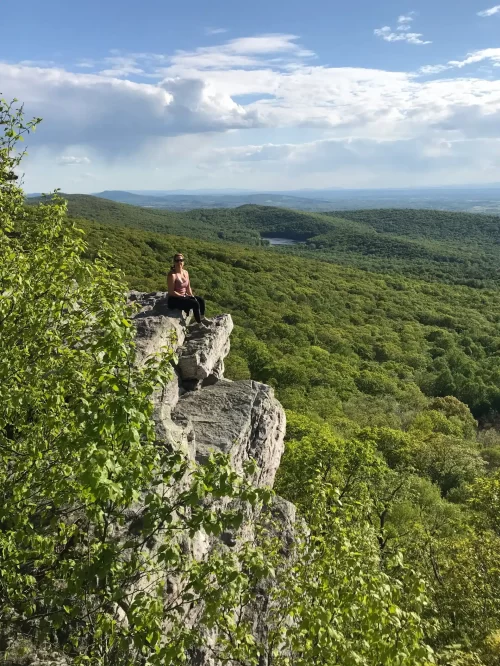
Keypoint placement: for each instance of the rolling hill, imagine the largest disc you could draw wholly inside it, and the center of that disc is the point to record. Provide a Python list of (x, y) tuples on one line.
[(439, 246)]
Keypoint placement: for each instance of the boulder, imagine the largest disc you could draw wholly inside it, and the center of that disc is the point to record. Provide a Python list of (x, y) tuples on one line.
[(155, 332), (146, 300), (242, 419), (158, 327), (201, 358)]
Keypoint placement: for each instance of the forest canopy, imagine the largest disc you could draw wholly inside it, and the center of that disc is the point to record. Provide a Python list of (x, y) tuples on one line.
[(453, 248)]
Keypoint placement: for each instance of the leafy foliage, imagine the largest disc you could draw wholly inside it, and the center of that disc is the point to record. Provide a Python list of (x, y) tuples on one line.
[(327, 600), (371, 363)]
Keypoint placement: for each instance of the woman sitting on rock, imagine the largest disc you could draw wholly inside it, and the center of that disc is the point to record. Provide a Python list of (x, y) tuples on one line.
[(180, 294)]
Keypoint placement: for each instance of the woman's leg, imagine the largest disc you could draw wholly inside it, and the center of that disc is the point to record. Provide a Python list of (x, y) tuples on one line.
[(195, 307), (201, 302), (186, 304), (178, 303)]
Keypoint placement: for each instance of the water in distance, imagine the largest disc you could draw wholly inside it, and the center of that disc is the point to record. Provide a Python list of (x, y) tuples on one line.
[(281, 241)]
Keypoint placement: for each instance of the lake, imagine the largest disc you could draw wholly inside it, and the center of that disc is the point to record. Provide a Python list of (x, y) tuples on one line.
[(281, 241)]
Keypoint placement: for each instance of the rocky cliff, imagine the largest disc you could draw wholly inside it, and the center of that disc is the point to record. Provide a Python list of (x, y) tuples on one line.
[(202, 412), (242, 419)]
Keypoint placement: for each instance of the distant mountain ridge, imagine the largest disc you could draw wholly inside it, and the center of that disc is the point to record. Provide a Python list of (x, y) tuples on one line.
[(191, 201), (474, 199), (482, 199)]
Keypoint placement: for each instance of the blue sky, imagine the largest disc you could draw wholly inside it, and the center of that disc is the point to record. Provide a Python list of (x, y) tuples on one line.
[(267, 94)]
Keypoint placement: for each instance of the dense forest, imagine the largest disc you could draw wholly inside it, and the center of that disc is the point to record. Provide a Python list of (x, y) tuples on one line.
[(380, 333), (456, 248), (442, 339)]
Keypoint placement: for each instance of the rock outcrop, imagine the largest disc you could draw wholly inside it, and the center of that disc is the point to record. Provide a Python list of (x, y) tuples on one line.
[(203, 352), (242, 419), (201, 412)]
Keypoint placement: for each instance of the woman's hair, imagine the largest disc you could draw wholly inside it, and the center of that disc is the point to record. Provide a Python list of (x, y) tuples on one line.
[(172, 268)]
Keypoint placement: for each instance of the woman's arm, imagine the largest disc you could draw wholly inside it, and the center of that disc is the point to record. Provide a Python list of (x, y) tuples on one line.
[(171, 286), (189, 291)]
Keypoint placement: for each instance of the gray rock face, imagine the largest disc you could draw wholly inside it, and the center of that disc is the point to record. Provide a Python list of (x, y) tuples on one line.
[(202, 355), (157, 328), (201, 352), (242, 419), (154, 333)]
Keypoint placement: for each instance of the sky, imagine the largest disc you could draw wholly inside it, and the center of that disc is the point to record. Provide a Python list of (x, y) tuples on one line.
[(261, 95)]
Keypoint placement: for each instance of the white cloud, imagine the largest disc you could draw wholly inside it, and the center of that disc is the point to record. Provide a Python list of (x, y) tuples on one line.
[(83, 64), (425, 159), (244, 52), (209, 99), (407, 18), (265, 44), (489, 12), (37, 63), (215, 31), (113, 115), (325, 154), (404, 22), (355, 162), (121, 66), (433, 69), (275, 50), (478, 56), (110, 114), (252, 153), (403, 31), (72, 160), (475, 57), (388, 35)]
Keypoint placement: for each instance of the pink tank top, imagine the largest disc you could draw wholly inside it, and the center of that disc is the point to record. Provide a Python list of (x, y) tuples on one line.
[(181, 284)]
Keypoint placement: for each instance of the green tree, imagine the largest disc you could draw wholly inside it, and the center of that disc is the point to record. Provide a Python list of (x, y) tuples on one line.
[(326, 600), (484, 498)]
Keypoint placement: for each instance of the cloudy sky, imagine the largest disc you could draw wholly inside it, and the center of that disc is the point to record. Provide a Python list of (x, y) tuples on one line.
[(267, 94)]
